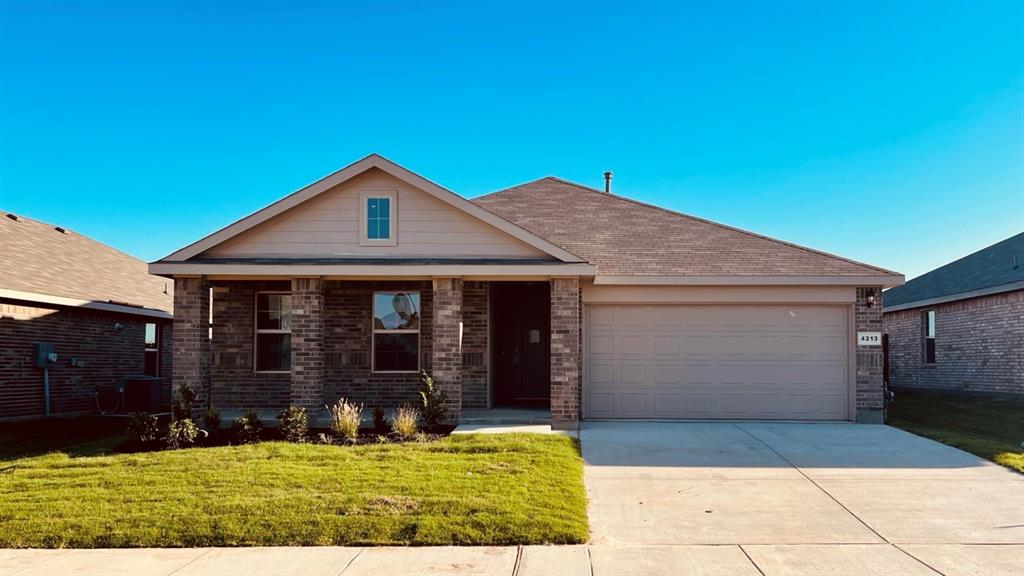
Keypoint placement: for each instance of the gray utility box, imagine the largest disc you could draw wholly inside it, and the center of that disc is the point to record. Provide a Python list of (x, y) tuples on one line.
[(44, 354), (142, 394)]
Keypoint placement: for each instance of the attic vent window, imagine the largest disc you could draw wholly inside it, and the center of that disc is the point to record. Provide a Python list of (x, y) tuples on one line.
[(378, 218)]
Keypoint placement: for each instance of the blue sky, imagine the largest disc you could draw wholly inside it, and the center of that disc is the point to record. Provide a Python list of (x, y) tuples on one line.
[(886, 132)]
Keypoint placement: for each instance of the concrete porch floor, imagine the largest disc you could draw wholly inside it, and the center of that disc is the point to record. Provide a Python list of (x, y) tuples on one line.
[(507, 415)]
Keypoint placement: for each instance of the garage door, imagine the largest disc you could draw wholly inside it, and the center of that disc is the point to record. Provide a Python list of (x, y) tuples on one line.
[(742, 362)]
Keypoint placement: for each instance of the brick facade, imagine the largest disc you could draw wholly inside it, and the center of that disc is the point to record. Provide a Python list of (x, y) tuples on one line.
[(979, 346), (870, 387), (475, 350), (110, 346), (447, 351), (307, 378), (566, 340), (191, 336)]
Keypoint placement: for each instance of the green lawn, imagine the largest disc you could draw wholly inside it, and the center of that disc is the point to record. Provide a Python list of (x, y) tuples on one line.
[(992, 428), (474, 489)]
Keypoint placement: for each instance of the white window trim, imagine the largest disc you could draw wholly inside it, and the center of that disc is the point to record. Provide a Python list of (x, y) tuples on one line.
[(257, 331), (392, 196), (156, 350), (374, 332)]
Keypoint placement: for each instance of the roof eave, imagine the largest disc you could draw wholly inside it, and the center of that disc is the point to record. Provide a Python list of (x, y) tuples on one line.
[(921, 303), (836, 280), (64, 301)]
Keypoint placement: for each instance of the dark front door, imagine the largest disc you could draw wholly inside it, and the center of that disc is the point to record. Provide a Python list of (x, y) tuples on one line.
[(522, 337)]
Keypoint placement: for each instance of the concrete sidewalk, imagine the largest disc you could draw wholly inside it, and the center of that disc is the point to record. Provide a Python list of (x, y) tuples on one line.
[(726, 560)]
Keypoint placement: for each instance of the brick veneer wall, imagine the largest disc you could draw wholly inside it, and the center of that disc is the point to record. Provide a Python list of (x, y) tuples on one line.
[(307, 379), (979, 346), (234, 384), (191, 340), (348, 324), (565, 352), (475, 353), (108, 355), (870, 387), (447, 351)]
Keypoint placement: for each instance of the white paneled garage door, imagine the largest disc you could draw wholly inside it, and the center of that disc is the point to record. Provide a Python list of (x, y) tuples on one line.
[(742, 362)]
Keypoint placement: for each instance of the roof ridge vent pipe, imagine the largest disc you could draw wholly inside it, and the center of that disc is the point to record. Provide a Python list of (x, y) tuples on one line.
[(608, 182)]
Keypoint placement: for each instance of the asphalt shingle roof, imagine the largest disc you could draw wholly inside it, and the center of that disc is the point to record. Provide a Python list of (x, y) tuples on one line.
[(36, 257), (999, 264), (624, 237)]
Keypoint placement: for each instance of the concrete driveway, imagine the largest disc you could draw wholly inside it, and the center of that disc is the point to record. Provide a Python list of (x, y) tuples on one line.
[(841, 495)]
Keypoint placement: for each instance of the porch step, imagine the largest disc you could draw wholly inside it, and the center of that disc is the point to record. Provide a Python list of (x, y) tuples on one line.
[(506, 416)]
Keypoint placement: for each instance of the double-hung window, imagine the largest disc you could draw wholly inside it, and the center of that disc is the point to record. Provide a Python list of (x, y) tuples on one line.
[(378, 216), (273, 332), (396, 331), (152, 353), (929, 337)]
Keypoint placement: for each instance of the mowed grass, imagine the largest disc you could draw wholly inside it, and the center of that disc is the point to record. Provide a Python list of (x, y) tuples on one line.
[(465, 489), (992, 428)]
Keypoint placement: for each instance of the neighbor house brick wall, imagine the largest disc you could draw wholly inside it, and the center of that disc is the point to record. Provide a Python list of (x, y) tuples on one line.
[(191, 336), (307, 379), (234, 384), (348, 325), (979, 346), (109, 355), (447, 352), (565, 351), (870, 385), (475, 361)]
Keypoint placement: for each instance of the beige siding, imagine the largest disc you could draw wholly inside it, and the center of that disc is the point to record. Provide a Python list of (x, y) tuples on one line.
[(329, 226)]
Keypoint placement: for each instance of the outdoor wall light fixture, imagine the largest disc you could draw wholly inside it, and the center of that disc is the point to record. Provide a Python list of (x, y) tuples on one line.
[(870, 297)]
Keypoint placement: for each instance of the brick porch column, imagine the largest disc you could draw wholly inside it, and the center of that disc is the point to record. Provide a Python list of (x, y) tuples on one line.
[(870, 400), (307, 379), (191, 341), (447, 341), (565, 352)]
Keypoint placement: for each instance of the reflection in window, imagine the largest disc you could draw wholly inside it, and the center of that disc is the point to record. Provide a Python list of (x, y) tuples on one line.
[(378, 218), (396, 331), (273, 332)]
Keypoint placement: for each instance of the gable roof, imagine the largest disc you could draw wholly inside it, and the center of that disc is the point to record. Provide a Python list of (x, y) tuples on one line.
[(351, 171), (997, 268), (42, 263), (627, 238)]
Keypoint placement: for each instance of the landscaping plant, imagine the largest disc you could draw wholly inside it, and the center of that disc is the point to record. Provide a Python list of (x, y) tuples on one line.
[(293, 422), (143, 428), (181, 406), (432, 400), (380, 421), (182, 433), (345, 419), (211, 419), (404, 423), (246, 429)]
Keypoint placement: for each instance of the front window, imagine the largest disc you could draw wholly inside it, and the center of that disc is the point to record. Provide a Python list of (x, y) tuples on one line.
[(152, 353), (396, 331), (273, 332), (929, 337)]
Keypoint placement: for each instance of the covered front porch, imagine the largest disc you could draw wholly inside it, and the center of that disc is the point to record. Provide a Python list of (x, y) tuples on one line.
[(500, 348)]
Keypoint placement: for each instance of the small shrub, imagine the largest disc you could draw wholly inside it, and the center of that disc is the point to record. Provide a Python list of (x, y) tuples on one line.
[(345, 419), (181, 406), (182, 433), (405, 421), (380, 421), (211, 419), (432, 401), (143, 428), (246, 429), (293, 422)]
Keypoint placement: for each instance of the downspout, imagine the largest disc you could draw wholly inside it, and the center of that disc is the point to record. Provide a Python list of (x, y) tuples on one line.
[(46, 391)]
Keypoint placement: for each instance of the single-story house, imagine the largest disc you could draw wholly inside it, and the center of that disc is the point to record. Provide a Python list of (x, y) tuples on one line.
[(548, 293), (960, 327), (77, 320)]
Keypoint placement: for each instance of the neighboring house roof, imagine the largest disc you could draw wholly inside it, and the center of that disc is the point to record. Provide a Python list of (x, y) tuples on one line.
[(627, 238), (40, 262), (998, 268)]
